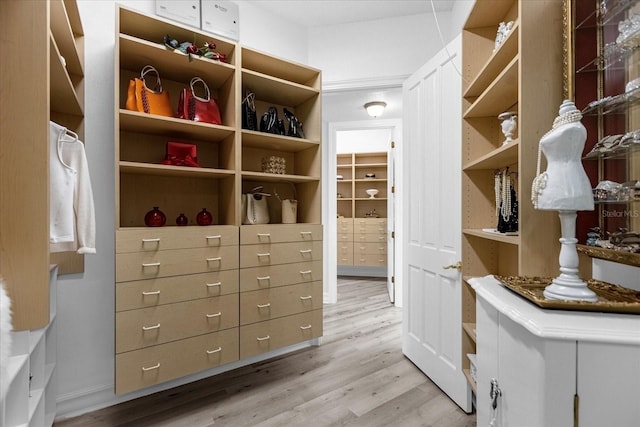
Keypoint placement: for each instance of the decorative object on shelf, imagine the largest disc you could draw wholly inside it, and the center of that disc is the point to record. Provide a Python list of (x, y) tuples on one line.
[(198, 109), (608, 191), (289, 206), (372, 192), (369, 175), (181, 154), (629, 30), (249, 115), (503, 31), (144, 100), (204, 217), (565, 188), (270, 123), (508, 125), (182, 220), (506, 202), (339, 177), (255, 209), (629, 138), (208, 50), (295, 125), (372, 214), (274, 164), (606, 145), (593, 235), (375, 108), (339, 195), (155, 218)]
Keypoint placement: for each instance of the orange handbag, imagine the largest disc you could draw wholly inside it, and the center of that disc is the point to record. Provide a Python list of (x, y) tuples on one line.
[(141, 98)]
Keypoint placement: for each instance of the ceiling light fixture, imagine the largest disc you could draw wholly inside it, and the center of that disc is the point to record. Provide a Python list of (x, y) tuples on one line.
[(375, 109)]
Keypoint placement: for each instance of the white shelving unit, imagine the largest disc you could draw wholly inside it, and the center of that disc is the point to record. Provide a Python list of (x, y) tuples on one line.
[(31, 394)]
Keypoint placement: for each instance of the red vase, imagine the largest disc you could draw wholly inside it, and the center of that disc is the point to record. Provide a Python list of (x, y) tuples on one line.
[(204, 217), (155, 218), (182, 220)]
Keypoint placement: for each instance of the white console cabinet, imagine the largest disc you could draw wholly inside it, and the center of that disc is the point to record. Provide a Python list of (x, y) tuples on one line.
[(31, 395), (553, 367)]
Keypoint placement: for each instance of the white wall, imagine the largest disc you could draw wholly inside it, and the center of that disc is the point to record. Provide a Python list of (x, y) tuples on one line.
[(362, 141), (86, 301)]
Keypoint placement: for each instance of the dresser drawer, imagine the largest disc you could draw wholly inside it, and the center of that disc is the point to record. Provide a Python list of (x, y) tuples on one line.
[(369, 227), (368, 238), (167, 290), (346, 259), (143, 368), (345, 225), (370, 248), (147, 265), (266, 304), (271, 276), (279, 253), (345, 237), (370, 222), (161, 238), (272, 334), (277, 233), (152, 326), (345, 253), (370, 260)]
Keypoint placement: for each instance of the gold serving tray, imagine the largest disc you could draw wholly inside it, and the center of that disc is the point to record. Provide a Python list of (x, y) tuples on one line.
[(611, 298)]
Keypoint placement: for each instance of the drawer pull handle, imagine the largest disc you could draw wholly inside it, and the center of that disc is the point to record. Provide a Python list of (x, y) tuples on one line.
[(304, 234), (263, 255), (304, 272), (264, 305), (263, 277), (151, 368), (150, 264), (147, 293), (154, 240), (217, 236), (218, 314), (149, 328), (217, 350), (211, 285), (304, 327), (382, 237), (218, 258), (305, 251), (263, 338), (306, 298), (263, 235)]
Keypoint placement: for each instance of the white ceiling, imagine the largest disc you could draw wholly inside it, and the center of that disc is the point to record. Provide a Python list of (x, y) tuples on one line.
[(312, 13)]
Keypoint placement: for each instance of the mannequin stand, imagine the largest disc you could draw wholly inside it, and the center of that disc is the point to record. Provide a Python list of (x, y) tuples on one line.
[(568, 286)]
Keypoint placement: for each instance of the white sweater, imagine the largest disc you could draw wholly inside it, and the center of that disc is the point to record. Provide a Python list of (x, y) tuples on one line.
[(72, 215)]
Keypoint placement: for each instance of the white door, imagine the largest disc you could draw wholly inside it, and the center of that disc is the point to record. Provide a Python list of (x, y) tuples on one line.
[(432, 332), (391, 286)]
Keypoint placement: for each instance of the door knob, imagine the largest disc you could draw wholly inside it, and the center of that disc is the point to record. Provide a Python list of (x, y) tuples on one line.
[(457, 266)]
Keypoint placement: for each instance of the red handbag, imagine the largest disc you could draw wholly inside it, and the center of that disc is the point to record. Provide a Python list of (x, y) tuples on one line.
[(193, 107), (181, 154)]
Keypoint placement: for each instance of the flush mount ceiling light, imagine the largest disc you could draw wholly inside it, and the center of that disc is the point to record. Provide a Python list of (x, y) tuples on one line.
[(375, 109)]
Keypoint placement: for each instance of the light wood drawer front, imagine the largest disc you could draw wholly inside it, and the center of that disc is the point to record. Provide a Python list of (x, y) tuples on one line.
[(368, 238), (345, 225), (345, 237), (167, 290), (272, 276), (370, 248), (370, 229), (345, 259), (152, 326), (370, 222), (161, 238), (147, 265), (266, 336), (143, 368), (370, 260), (257, 306), (277, 233), (279, 253)]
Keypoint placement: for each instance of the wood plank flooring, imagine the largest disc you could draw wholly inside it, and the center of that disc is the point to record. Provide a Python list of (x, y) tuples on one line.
[(357, 377)]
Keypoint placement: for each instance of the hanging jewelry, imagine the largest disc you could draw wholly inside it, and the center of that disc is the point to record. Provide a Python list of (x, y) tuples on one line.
[(497, 179), (505, 210)]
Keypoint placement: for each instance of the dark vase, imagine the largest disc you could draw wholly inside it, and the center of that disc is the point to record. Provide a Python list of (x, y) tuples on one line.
[(182, 220), (155, 218), (204, 217)]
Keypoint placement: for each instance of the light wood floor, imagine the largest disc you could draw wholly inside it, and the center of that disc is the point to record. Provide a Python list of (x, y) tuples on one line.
[(357, 377)]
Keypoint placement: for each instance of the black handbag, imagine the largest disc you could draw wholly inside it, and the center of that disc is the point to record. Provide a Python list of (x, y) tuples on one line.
[(249, 116), (270, 123)]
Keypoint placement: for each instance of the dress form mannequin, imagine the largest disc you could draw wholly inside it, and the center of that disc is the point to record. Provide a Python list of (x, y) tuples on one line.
[(565, 187)]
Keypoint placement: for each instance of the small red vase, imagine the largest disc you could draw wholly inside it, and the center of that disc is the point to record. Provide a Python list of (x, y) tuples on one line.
[(204, 217), (182, 220), (155, 218)]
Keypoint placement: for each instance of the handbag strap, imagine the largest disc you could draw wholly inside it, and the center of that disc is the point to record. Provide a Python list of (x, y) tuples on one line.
[(150, 69), (195, 81)]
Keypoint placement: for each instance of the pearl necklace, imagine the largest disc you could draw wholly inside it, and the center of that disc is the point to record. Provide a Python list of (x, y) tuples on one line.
[(540, 181), (505, 210), (497, 181)]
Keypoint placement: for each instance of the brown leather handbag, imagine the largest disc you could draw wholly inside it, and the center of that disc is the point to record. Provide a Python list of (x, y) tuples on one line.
[(151, 101)]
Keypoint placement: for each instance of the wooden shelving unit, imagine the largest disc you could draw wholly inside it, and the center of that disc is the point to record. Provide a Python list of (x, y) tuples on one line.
[(522, 74)]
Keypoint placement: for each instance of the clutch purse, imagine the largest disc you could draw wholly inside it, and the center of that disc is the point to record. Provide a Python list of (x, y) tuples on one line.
[(144, 100), (181, 154), (199, 109)]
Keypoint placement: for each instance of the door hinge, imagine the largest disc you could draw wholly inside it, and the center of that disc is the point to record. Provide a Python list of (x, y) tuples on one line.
[(393, 279), (393, 144), (393, 188), (393, 234)]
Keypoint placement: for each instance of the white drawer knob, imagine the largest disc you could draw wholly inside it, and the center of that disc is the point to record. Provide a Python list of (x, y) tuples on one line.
[(304, 327), (217, 350), (306, 297), (264, 305), (263, 338), (149, 328), (147, 293), (218, 314), (211, 285), (217, 236), (151, 368), (214, 259), (150, 264)]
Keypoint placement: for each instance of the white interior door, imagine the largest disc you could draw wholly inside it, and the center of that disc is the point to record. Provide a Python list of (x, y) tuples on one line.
[(431, 225), (391, 259)]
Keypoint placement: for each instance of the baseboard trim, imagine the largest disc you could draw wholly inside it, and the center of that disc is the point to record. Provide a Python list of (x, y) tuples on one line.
[(347, 270)]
